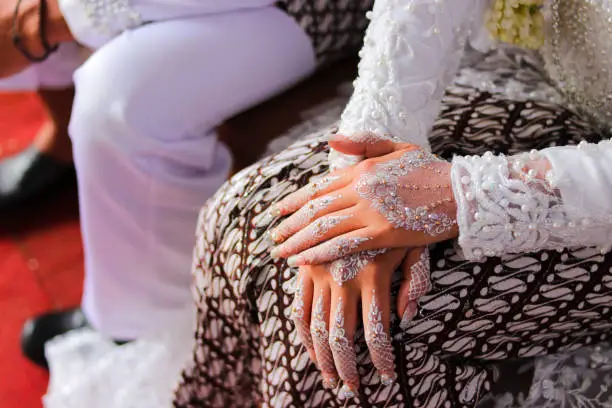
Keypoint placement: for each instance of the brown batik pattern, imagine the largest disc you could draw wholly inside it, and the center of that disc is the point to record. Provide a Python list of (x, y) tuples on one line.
[(477, 315), (335, 27)]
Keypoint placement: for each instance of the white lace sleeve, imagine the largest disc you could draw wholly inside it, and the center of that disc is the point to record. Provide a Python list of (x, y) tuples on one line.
[(412, 50), (556, 198)]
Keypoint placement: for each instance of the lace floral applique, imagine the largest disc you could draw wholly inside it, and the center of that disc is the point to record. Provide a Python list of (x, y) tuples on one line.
[(411, 51), (510, 204)]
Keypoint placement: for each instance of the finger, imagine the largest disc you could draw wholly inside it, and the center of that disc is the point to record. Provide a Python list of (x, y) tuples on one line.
[(366, 144), (333, 249), (417, 283), (297, 200), (301, 312), (311, 211), (320, 337), (347, 268), (376, 319), (322, 229), (341, 340)]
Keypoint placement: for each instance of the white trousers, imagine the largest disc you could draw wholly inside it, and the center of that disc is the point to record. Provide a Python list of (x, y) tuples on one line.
[(147, 156)]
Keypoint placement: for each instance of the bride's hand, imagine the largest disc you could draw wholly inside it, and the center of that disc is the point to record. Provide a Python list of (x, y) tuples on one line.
[(326, 307), (400, 199)]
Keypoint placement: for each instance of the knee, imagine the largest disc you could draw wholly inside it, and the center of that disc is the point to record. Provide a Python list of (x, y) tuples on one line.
[(110, 101)]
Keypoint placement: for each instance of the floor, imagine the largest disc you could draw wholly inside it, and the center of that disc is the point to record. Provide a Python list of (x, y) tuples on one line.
[(40, 244), (40, 259)]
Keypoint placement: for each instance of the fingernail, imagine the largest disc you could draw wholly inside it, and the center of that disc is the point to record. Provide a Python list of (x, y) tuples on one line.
[(388, 379), (294, 261), (268, 239), (274, 235), (330, 383), (409, 313), (275, 253), (346, 392), (275, 211)]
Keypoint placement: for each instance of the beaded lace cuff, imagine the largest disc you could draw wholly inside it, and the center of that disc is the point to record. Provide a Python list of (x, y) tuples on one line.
[(512, 205)]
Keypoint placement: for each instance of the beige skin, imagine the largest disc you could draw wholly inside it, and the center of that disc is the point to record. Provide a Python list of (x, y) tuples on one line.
[(375, 277), (28, 19)]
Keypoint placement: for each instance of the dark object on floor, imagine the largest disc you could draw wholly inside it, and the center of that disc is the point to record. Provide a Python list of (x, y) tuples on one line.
[(39, 330), (28, 175)]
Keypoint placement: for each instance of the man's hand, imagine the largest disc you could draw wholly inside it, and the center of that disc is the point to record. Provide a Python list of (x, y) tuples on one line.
[(28, 21)]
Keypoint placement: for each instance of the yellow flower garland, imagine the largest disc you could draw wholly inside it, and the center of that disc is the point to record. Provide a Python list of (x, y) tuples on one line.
[(518, 22)]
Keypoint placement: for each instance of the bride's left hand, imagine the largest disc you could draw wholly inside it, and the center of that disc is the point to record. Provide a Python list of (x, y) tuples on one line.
[(402, 198), (326, 311)]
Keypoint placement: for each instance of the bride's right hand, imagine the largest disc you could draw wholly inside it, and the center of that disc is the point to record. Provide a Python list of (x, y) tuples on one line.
[(326, 308)]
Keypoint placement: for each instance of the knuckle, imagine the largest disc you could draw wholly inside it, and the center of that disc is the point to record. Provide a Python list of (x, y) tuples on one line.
[(367, 165)]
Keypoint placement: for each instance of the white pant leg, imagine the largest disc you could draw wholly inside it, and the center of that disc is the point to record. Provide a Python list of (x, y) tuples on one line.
[(54, 73), (147, 155)]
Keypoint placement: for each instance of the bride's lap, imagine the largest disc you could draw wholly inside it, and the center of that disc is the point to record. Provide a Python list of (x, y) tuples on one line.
[(476, 314)]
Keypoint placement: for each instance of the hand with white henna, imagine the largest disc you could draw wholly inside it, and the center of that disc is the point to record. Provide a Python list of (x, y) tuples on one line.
[(326, 313), (398, 197)]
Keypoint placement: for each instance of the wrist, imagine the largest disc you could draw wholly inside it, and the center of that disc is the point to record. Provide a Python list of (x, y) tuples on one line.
[(56, 28), (451, 205)]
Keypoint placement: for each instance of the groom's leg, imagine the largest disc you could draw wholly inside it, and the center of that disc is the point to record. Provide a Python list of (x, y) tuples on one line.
[(147, 154)]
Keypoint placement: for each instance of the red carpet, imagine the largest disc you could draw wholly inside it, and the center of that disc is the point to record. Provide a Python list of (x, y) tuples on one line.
[(40, 259)]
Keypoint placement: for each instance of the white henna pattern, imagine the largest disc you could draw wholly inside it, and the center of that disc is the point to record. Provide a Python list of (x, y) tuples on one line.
[(420, 284), (396, 192), (327, 251), (296, 200), (347, 268), (379, 343), (297, 315), (302, 217), (320, 339), (344, 354)]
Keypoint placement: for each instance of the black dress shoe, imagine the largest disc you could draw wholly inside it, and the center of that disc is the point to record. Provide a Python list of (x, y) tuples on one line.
[(27, 175), (38, 331)]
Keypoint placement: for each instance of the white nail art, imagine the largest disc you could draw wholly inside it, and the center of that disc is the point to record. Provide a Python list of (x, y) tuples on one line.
[(347, 268), (379, 343), (396, 191), (346, 392)]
